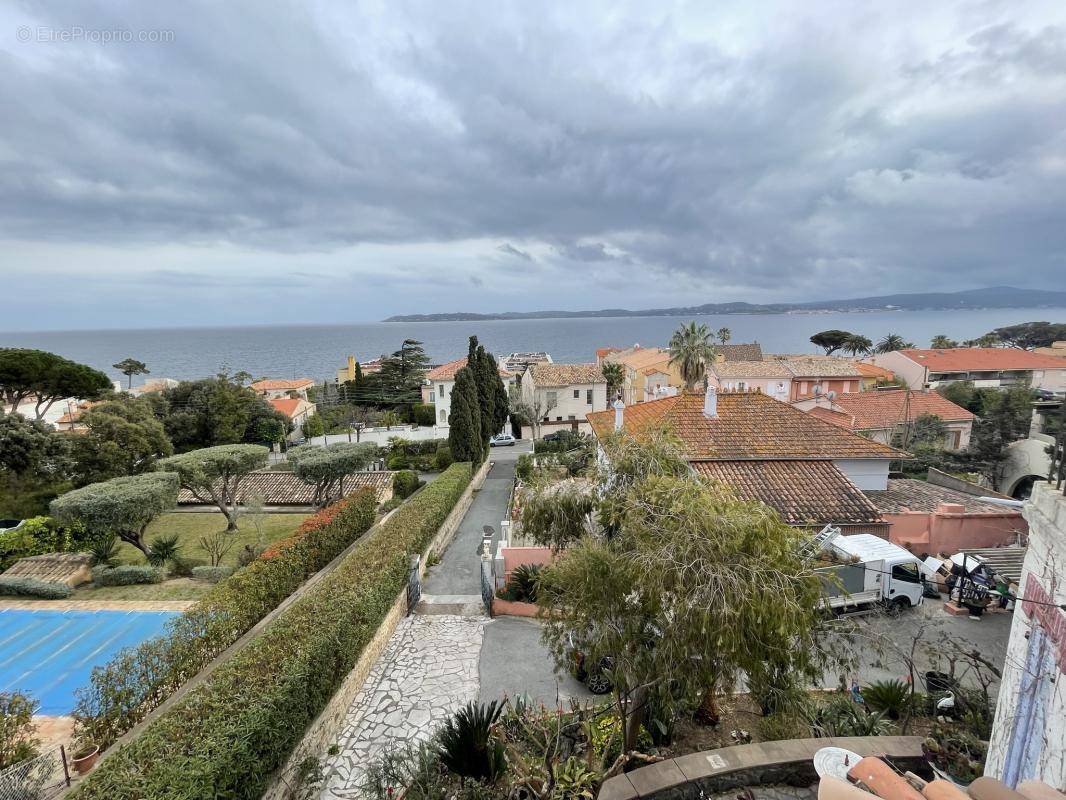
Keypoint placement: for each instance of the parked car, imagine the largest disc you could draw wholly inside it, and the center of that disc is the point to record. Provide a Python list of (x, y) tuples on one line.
[(595, 676), (502, 440)]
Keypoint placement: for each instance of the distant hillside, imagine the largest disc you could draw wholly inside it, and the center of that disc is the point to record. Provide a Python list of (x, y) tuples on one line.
[(994, 297)]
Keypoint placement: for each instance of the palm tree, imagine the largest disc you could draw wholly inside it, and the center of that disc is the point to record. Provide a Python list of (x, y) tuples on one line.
[(724, 335), (691, 350), (941, 342), (857, 345), (891, 343), (615, 377)]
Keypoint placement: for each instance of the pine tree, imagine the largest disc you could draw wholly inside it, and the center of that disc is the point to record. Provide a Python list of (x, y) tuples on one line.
[(464, 435)]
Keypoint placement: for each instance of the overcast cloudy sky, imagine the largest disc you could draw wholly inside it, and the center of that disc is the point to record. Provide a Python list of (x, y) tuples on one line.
[(273, 162)]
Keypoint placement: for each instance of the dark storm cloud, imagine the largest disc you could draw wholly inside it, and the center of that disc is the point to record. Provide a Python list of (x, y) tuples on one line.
[(766, 150)]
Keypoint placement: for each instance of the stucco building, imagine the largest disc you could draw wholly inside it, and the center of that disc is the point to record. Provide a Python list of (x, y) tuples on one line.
[(998, 367), (565, 393)]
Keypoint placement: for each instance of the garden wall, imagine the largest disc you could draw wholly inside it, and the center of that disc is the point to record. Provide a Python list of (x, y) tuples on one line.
[(328, 725), (950, 529)]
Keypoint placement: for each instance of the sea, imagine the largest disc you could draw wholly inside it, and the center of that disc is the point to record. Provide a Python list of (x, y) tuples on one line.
[(317, 351)]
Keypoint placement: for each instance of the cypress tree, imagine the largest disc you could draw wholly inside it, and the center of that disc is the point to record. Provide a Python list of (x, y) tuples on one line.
[(464, 434), (486, 395)]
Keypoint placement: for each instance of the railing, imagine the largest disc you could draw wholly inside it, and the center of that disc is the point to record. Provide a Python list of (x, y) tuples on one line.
[(1057, 471), (37, 778)]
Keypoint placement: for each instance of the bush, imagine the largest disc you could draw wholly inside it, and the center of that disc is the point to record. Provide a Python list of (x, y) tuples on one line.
[(888, 696), (424, 414), (467, 746), (17, 740), (163, 549), (398, 462), (31, 587), (230, 734), (105, 551), (442, 459), (138, 679), (522, 585), (128, 575), (36, 536), (405, 484), (211, 574), (390, 504), (781, 726)]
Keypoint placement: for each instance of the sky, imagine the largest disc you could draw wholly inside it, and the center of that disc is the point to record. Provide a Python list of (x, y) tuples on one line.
[(205, 163)]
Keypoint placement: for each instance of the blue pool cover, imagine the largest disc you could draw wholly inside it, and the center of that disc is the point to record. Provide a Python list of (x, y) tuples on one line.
[(50, 654)]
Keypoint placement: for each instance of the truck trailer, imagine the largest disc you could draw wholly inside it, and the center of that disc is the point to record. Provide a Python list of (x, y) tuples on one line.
[(872, 571)]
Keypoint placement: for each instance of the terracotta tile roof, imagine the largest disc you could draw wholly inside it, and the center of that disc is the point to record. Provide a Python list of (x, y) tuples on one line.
[(606, 351), (289, 406), (962, 359), (749, 425), (753, 369), (280, 384), (446, 372), (644, 357), (880, 409), (835, 417), (874, 371), (803, 493), (907, 494), (822, 368), (751, 351), (566, 374), (285, 489)]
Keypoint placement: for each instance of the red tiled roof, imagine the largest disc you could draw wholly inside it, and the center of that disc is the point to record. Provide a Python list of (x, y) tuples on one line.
[(280, 384), (804, 493), (963, 359), (446, 372), (874, 371), (749, 425), (878, 410), (285, 489), (566, 374), (835, 417), (907, 494), (287, 405), (606, 351)]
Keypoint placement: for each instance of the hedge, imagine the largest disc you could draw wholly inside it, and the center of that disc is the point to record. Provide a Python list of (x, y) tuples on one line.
[(137, 680), (405, 483), (211, 574), (229, 735), (128, 575), (31, 587)]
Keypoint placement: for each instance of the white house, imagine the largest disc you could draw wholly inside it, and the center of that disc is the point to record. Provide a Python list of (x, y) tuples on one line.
[(296, 409), (565, 393), (439, 383), (999, 367)]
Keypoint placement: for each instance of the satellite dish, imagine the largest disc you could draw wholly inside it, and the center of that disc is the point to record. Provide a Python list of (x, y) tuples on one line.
[(831, 395), (817, 390)]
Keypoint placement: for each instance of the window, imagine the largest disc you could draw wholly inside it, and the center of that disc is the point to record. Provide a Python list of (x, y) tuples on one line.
[(588, 397), (558, 419), (741, 386), (443, 417), (432, 397), (577, 393), (570, 416), (906, 573), (551, 398), (440, 391)]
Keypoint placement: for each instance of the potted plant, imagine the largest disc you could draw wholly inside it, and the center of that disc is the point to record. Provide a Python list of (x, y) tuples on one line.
[(84, 758), (955, 754)]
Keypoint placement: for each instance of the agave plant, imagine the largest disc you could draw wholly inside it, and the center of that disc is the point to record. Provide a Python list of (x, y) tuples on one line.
[(842, 717), (104, 552), (163, 549), (888, 696), (467, 746), (525, 579)]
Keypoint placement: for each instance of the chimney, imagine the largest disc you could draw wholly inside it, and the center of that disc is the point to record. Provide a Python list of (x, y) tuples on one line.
[(710, 402), (719, 358), (619, 408)]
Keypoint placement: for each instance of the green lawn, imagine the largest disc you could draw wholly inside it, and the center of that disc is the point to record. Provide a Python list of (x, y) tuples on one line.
[(190, 526)]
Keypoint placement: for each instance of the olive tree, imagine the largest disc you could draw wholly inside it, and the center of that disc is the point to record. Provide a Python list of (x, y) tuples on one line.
[(325, 468), (121, 506), (693, 589), (214, 474)]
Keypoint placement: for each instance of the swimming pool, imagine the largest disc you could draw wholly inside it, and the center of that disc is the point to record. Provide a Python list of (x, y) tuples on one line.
[(50, 654)]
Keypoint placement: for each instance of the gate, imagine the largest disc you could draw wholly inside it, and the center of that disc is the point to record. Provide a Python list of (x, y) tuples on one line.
[(40, 777), (414, 584), (488, 590)]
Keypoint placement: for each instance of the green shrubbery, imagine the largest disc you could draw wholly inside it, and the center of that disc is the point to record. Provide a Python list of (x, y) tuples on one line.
[(129, 575), (211, 574), (138, 679), (405, 484), (227, 737), (36, 536), (31, 587)]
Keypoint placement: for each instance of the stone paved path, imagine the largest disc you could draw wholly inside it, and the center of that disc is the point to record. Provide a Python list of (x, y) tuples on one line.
[(428, 671)]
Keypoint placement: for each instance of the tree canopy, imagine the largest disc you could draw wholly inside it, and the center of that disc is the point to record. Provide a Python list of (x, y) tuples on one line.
[(31, 449), (213, 474), (831, 340), (1030, 335), (941, 342), (615, 376), (122, 437), (215, 411), (892, 342), (325, 468), (46, 377), (121, 506), (130, 367), (691, 350)]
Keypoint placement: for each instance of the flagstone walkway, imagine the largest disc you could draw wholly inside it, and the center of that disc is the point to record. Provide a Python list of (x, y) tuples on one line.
[(428, 671)]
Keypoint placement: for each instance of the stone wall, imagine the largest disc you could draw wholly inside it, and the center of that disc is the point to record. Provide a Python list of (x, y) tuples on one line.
[(1029, 735), (328, 725)]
